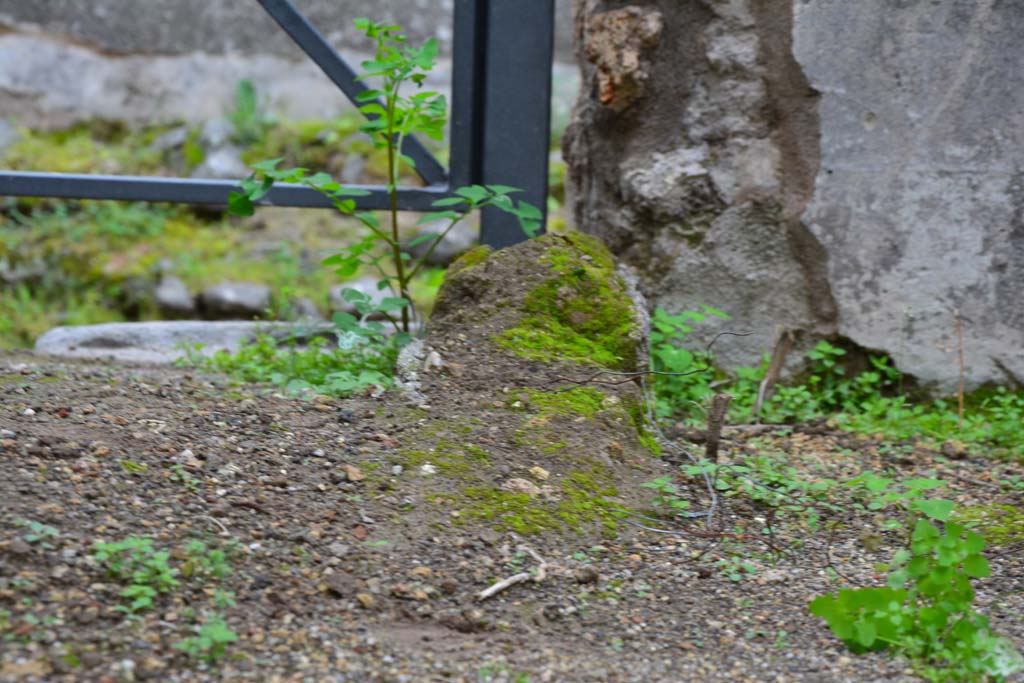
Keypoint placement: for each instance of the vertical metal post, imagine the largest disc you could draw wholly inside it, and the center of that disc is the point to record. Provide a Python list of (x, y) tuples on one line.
[(518, 43), (468, 60)]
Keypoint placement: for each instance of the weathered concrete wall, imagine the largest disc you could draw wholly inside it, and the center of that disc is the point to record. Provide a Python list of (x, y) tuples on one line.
[(127, 27), (63, 61), (919, 200), (839, 169)]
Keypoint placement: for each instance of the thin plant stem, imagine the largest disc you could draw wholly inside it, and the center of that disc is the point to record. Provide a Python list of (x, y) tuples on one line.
[(396, 247)]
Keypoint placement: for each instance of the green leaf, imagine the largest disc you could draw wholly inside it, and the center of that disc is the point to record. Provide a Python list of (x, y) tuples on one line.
[(531, 228), (976, 566), (370, 95), (437, 216), (865, 632), (897, 579), (474, 193), (268, 166), (369, 218), (924, 531), (420, 239), (351, 192), (936, 509), (354, 296), (923, 484), (240, 204), (448, 201), (391, 304), (374, 109), (503, 189), (974, 542), (529, 211)]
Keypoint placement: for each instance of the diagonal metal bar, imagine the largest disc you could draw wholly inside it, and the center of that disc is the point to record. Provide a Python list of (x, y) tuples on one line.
[(196, 191), (331, 63)]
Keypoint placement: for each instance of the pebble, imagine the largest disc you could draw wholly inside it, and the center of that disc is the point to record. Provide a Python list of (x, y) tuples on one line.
[(19, 547), (28, 412), (7, 434), (338, 549), (586, 574), (341, 584), (517, 485)]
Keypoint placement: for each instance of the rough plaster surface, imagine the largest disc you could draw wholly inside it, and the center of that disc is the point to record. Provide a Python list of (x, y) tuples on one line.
[(699, 182), (920, 196), (847, 170), (241, 27), (42, 84), (64, 61)]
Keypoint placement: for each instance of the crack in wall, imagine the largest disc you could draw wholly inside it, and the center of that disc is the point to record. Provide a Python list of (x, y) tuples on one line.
[(793, 113)]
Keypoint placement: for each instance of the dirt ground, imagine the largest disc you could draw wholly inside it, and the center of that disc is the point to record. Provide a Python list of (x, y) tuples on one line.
[(356, 553)]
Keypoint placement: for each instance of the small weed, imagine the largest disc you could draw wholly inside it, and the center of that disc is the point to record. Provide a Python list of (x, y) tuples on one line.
[(205, 562), (925, 612), (248, 116), (135, 562), (38, 533), (393, 116), (223, 599), (180, 475), (869, 402), (133, 467), (488, 673), (736, 568), (211, 642), (363, 358)]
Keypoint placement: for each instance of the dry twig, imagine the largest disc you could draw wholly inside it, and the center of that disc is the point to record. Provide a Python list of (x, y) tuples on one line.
[(783, 343), (539, 574), (716, 420)]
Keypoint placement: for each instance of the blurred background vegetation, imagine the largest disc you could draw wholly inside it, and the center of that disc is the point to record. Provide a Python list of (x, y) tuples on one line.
[(83, 262)]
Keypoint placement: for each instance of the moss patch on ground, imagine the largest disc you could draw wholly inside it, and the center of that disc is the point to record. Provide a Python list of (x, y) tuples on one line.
[(451, 459), (581, 313), (584, 500), (999, 524), (92, 147)]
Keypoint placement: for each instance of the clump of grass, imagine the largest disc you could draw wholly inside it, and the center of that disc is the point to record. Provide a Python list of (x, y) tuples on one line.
[(870, 401)]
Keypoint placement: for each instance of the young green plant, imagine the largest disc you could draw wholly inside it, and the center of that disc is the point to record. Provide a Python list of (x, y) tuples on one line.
[(393, 116)]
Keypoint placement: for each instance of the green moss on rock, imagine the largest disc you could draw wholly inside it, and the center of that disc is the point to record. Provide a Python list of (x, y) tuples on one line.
[(581, 313), (473, 257), (581, 401)]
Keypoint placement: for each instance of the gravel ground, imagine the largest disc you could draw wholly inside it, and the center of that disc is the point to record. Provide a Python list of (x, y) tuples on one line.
[(348, 565)]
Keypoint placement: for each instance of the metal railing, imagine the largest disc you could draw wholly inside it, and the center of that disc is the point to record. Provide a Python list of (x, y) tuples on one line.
[(500, 123)]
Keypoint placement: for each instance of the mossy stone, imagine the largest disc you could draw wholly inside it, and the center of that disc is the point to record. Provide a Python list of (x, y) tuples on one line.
[(557, 298)]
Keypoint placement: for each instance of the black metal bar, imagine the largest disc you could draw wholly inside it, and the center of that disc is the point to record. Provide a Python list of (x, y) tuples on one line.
[(196, 191), (466, 131), (331, 63), (516, 120)]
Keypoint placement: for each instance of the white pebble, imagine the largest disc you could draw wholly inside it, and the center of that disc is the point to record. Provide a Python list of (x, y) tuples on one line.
[(29, 412)]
